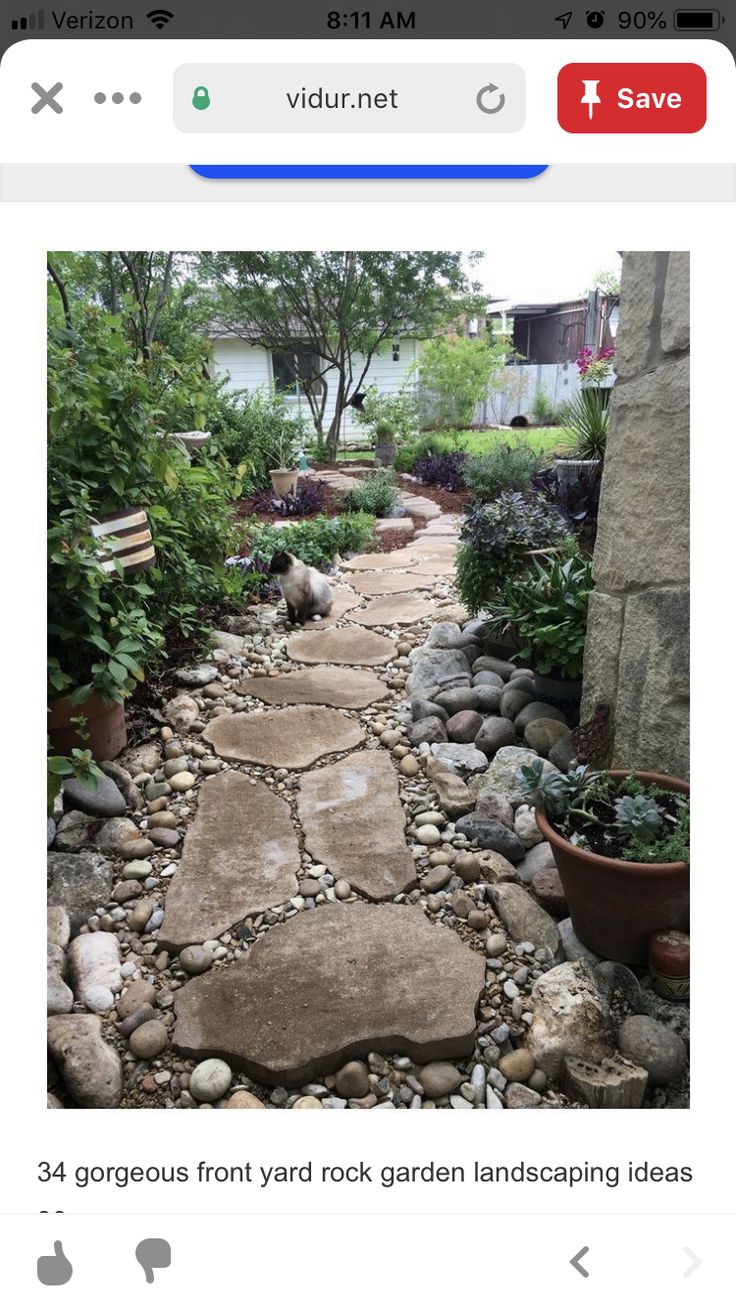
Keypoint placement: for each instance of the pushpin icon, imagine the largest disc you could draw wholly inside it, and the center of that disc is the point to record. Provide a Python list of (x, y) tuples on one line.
[(590, 96), (153, 1253)]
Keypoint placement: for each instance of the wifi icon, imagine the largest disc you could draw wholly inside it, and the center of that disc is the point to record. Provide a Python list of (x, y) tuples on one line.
[(159, 17)]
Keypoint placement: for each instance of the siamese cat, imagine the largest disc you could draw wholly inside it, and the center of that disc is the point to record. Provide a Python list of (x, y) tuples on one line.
[(307, 593)]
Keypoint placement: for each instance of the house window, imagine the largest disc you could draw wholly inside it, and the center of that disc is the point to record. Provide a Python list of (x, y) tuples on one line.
[(296, 366)]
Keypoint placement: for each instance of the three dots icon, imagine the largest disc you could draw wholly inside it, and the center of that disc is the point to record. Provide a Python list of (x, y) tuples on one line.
[(117, 97)]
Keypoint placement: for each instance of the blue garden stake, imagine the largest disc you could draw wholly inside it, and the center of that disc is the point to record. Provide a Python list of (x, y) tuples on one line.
[(302, 465)]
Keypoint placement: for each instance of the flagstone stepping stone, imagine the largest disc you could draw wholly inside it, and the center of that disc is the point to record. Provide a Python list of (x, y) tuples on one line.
[(400, 609), (344, 645), (432, 567), (390, 559), (354, 823), (283, 738), (343, 602), (334, 985), (342, 688), (388, 583), (240, 857)]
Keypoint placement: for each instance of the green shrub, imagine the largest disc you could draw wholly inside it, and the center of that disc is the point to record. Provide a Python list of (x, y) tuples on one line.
[(315, 541), (431, 443), (375, 494), (503, 468), (109, 411), (392, 411), (547, 610), (256, 429), (542, 409), (494, 540)]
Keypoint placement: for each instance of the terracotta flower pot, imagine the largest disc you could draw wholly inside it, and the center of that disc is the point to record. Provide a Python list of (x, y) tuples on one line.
[(615, 905), (105, 730), (284, 481)]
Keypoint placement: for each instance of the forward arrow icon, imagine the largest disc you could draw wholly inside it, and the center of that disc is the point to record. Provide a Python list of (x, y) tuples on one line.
[(695, 1262)]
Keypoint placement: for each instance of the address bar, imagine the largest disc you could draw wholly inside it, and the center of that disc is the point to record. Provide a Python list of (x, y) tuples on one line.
[(349, 98)]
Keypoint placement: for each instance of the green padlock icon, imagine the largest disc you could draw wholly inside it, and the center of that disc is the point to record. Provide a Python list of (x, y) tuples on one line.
[(201, 98)]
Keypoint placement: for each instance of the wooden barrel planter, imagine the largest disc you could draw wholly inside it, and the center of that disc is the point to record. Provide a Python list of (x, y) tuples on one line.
[(125, 537)]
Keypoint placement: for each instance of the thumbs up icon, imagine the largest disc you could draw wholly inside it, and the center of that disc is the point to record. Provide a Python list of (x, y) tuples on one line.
[(54, 1269)]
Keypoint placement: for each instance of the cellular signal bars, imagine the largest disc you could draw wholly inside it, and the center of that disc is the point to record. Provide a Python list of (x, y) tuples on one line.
[(29, 23)]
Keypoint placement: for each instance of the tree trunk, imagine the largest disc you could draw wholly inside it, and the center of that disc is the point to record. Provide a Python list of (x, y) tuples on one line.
[(333, 435)]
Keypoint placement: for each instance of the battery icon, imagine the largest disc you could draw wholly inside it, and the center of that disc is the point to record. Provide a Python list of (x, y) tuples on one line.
[(697, 20)]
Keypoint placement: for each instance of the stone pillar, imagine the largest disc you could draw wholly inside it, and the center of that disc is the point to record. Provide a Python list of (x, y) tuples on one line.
[(637, 646)]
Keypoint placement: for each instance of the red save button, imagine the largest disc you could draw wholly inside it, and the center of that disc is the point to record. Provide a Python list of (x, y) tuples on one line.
[(625, 98)]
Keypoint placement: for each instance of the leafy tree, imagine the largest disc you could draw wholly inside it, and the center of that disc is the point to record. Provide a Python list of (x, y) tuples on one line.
[(336, 310), (456, 373)]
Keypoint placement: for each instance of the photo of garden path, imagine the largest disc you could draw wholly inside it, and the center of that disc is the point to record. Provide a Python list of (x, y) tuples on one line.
[(339, 865)]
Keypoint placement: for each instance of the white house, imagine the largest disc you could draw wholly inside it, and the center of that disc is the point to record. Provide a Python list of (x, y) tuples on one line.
[(247, 367)]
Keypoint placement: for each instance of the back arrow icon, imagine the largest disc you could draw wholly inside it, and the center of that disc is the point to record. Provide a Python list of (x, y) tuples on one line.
[(695, 1262), (490, 90), (575, 1261)]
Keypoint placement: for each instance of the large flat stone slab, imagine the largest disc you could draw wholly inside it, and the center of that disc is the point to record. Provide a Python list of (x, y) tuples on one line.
[(283, 738), (387, 559), (342, 688), (344, 600), (394, 610), (332, 985), (240, 857), (354, 822), (345, 645), (388, 583), (431, 566)]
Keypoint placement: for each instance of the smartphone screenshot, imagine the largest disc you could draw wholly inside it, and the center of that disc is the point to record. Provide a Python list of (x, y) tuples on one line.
[(360, 371)]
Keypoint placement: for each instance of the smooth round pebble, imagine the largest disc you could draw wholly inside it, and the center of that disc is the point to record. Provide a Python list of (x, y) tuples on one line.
[(428, 834), (149, 1039), (183, 781), (195, 959), (210, 1080)]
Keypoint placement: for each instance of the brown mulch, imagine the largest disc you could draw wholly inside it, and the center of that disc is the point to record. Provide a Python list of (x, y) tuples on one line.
[(450, 502), (332, 503)]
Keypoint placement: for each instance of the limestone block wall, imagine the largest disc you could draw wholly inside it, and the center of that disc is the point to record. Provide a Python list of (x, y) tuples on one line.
[(637, 648)]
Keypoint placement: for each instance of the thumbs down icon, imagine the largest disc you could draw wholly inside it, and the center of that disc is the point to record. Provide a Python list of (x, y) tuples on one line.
[(153, 1253)]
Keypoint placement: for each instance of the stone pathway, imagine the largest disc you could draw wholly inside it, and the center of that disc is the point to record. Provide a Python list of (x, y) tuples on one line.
[(353, 884)]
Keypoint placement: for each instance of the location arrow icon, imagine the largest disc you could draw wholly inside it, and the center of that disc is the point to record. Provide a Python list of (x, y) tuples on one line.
[(695, 1262), (577, 1265)]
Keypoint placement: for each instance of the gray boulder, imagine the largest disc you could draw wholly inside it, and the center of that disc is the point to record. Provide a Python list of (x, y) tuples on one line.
[(103, 801), (457, 699), (90, 1068), (446, 636), (491, 835), (78, 882), (534, 710), (432, 667), (427, 729), (488, 698), (653, 1046), (464, 726), (428, 709), (502, 770), (463, 758), (523, 918), (495, 733), (513, 701)]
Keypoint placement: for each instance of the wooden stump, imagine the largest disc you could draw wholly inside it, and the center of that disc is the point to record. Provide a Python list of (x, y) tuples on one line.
[(610, 1084)]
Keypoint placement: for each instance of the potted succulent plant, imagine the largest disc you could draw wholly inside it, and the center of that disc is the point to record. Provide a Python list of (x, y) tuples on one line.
[(285, 473), (547, 610), (621, 845)]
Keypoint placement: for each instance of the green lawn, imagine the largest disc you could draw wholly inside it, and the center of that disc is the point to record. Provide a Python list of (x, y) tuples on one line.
[(544, 438)]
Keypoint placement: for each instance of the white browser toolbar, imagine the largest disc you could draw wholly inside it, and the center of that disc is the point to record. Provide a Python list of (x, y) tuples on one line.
[(424, 102)]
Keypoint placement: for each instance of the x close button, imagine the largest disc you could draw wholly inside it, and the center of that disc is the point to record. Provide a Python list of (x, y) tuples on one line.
[(47, 99), (624, 98)]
